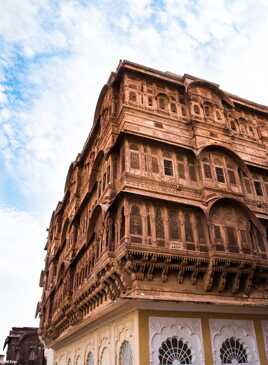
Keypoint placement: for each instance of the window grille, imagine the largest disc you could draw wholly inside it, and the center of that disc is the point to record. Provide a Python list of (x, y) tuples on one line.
[(200, 228), (135, 221), (220, 174), (231, 239), (233, 352), (132, 96), (192, 171), (159, 224), (168, 167), (134, 160), (125, 355), (207, 171), (174, 351), (231, 176)]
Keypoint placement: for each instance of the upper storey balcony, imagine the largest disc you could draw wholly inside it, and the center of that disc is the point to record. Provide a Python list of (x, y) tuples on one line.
[(178, 174)]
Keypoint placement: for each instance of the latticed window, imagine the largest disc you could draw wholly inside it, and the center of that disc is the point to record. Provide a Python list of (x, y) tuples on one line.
[(188, 227), (155, 167), (200, 228), (135, 221), (231, 176), (122, 223), (159, 226), (207, 169), (220, 174), (217, 233), (180, 164), (174, 229), (231, 239), (244, 237), (192, 169), (174, 351), (233, 352), (90, 359), (135, 160), (125, 355), (173, 108), (132, 96), (168, 167)]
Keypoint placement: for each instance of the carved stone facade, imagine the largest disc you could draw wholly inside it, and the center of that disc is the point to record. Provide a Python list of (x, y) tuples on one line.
[(233, 341), (24, 347), (168, 200)]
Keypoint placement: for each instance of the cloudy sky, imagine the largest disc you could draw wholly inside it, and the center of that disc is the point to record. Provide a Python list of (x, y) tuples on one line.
[(55, 55)]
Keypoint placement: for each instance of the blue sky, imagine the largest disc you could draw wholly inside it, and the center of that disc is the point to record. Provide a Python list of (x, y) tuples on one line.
[(55, 55)]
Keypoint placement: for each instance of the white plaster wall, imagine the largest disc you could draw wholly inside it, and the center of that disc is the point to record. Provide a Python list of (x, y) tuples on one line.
[(111, 335)]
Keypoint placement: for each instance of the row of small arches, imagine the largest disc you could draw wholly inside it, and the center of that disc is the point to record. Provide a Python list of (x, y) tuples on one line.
[(125, 357)]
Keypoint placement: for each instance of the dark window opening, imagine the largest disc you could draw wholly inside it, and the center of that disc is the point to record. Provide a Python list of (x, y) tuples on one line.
[(258, 188), (220, 174), (168, 167), (207, 171), (135, 221)]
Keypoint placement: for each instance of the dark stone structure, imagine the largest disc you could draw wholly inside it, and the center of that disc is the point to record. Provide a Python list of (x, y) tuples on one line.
[(24, 347)]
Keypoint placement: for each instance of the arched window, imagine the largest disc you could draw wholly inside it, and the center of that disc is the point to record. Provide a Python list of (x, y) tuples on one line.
[(135, 221), (174, 351), (78, 360), (105, 360), (90, 359), (125, 355), (233, 352)]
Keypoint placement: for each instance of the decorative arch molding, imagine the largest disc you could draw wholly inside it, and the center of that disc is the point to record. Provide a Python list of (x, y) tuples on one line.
[(95, 221), (242, 330), (213, 87), (221, 147), (186, 329), (223, 199), (104, 350), (124, 333)]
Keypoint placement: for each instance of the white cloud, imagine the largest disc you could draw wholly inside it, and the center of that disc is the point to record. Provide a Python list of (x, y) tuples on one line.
[(22, 238)]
